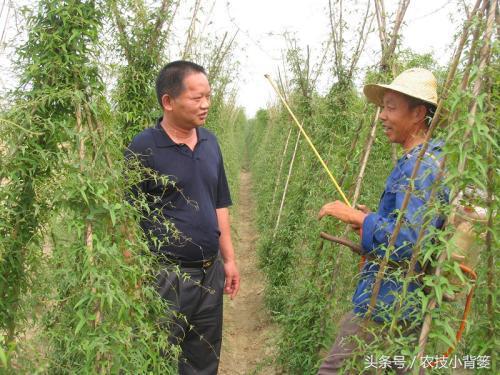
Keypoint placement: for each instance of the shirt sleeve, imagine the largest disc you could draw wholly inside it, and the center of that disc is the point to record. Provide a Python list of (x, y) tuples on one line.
[(223, 198), (378, 229), (138, 159)]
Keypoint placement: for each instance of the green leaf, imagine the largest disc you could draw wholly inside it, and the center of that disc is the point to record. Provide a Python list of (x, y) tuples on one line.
[(113, 216), (439, 293), (3, 358), (80, 324), (84, 299)]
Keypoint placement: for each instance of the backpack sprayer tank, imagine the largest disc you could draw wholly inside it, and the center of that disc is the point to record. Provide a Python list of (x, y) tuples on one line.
[(467, 241)]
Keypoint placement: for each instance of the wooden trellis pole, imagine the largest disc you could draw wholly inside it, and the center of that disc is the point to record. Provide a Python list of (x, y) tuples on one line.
[(490, 277), (191, 31), (354, 143), (356, 189), (283, 155), (285, 190), (484, 58), (278, 177), (388, 43), (364, 161)]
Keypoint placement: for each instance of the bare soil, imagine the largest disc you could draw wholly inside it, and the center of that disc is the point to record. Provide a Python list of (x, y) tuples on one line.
[(247, 346)]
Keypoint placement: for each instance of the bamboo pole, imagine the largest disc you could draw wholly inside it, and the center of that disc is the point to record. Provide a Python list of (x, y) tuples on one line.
[(161, 17), (89, 234), (172, 17), (278, 177), (1, 9), (81, 141), (364, 160), (490, 254), (382, 23), (191, 31), (387, 43), (2, 37), (100, 131), (490, 205), (122, 33), (354, 143), (337, 40), (290, 168), (319, 68), (484, 58), (363, 36), (221, 53), (403, 6)]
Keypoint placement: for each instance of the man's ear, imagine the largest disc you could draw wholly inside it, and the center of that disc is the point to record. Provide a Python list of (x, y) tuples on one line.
[(420, 112), (166, 102)]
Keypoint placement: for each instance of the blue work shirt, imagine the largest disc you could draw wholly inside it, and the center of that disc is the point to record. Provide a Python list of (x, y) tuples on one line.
[(378, 227), (195, 186)]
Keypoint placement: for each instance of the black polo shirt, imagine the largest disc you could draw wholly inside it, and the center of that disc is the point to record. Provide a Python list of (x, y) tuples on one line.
[(196, 187)]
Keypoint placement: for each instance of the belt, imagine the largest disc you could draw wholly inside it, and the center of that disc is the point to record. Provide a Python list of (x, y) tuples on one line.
[(206, 263)]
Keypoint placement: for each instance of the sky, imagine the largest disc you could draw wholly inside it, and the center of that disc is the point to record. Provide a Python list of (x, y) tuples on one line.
[(261, 25)]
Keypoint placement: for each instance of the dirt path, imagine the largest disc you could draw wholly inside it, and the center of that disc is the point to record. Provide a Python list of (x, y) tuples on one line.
[(247, 336)]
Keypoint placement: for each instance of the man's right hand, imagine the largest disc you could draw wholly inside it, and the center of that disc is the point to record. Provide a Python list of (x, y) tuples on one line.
[(232, 283), (363, 209)]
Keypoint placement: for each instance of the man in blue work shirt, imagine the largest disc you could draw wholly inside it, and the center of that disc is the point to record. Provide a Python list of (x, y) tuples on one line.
[(187, 217), (408, 104)]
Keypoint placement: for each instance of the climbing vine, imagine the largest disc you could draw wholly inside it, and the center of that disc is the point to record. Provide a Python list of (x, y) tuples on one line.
[(87, 307), (76, 274)]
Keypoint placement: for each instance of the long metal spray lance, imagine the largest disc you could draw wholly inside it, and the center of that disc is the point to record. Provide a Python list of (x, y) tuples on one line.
[(308, 139)]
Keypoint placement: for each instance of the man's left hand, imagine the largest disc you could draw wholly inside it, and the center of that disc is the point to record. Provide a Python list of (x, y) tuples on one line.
[(232, 284), (343, 212)]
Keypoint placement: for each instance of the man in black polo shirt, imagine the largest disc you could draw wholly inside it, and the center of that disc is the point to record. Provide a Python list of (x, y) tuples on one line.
[(195, 200)]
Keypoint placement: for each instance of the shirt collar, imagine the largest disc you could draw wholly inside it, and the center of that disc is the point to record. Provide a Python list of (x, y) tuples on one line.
[(433, 145), (162, 139)]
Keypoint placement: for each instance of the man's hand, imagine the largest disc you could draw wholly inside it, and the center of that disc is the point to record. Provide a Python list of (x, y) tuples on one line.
[(344, 213), (232, 284), (364, 209)]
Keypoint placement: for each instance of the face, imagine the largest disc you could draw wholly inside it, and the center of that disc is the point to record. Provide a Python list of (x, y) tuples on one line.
[(400, 121), (190, 108)]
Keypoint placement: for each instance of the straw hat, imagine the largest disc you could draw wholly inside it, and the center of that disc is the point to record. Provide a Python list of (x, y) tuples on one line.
[(416, 82)]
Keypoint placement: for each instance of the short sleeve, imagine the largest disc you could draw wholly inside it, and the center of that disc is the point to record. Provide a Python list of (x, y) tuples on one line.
[(138, 157), (223, 198)]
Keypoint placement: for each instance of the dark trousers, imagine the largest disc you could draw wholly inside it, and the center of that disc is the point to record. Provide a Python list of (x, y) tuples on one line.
[(345, 346), (195, 317)]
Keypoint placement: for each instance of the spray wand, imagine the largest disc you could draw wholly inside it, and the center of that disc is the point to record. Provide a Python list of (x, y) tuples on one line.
[(273, 84)]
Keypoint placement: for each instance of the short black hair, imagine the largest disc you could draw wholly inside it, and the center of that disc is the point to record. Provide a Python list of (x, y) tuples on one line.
[(171, 77), (430, 108)]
